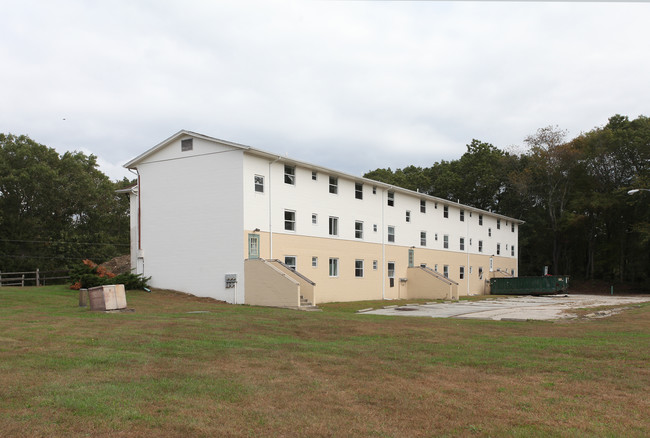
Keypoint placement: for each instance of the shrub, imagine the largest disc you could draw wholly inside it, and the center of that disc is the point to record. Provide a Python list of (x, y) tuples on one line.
[(88, 274)]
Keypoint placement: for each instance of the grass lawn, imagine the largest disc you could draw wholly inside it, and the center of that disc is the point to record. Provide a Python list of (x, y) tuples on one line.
[(253, 371)]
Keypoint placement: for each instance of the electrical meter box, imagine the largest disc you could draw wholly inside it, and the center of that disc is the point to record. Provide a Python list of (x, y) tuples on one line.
[(231, 280)]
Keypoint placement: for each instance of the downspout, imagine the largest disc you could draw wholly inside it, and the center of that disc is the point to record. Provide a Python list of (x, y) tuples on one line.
[(137, 173), (467, 242), (383, 247), (270, 210)]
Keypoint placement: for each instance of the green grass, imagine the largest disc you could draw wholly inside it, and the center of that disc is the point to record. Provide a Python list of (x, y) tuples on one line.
[(254, 371)]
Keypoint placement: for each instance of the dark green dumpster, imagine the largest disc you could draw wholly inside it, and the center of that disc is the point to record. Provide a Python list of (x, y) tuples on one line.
[(546, 285)]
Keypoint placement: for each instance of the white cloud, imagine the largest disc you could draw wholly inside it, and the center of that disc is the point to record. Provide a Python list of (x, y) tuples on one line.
[(348, 85)]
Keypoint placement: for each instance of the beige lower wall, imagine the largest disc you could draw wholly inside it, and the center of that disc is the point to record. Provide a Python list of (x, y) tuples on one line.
[(375, 284), (267, 286)]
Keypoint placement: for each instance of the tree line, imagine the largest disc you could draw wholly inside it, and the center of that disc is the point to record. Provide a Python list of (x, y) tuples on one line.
[(56, 210), (571, 193)]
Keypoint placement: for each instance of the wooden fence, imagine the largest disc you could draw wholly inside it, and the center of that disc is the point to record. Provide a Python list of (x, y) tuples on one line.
[(32, 278)]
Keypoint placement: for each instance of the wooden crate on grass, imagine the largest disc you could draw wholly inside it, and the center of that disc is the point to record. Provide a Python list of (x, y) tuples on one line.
[(107, 297)]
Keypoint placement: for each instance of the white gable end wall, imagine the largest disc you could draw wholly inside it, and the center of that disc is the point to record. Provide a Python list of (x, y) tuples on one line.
[(192, 217)]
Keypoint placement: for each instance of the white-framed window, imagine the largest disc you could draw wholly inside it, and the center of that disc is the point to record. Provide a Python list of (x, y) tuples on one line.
[(498, 224), (314, 218), (489, 232), (187, 144), (314, 262), (480, 246), (512, 250), (358, 230), (391, 269), (462, 244), (358, 268), (259, 183), (289, 174), (435, 267), (470, 270), (374, 265), (445, 241), (480, 272), (374, 228), (498, 249), (423, 238), (462, 215), (314, 175), (290, 261), (445, 211), (512, 227), (334, 185), (480, 219), (334, 226), (391, 233), (461, 272), (391, 199), (408, 216), (435, 237), (358, 191), (423, 206), (289, 220), (445, 271), (374, 190), (334, 267)]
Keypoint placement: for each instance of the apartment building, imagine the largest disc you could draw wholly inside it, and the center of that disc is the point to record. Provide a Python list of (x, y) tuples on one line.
[(223, 220)]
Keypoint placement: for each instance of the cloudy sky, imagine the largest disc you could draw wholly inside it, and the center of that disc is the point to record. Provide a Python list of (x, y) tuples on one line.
[(348, 85)]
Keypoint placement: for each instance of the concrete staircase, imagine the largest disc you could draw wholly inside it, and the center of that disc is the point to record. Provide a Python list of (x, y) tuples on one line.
[(307, 306)]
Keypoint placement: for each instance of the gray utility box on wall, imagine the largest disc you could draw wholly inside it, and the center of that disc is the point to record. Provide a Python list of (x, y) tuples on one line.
[(231, 281)]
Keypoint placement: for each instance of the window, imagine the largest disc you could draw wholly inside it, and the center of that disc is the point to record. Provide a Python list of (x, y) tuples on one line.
[(435, 267), (480, 219), (445, 271), (314, 175), (289, 175), (411, 261), (334, 226), (358, 268), (391, 269), (391, 233), (408, 216), (374, 227), (423, 238), (358, 191), (462, 215), (480, 273), (314, 262), (358, 230), (314, 218), (462, 244), (374, 190), (489, 232), (334, 267), (512, 250), (512, 227), (435, 205), (498, 224), (259, 183), (480, 246), (445, 211), (187, 144), (334, 185), (391, 199), (461, 273), (374, 265), (290, 261), (445, 241), (423, 206), (435, 237), (498, 249), (289, 220)]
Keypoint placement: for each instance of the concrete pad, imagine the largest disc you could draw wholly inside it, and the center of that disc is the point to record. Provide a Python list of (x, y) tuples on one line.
[(546, 308)]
